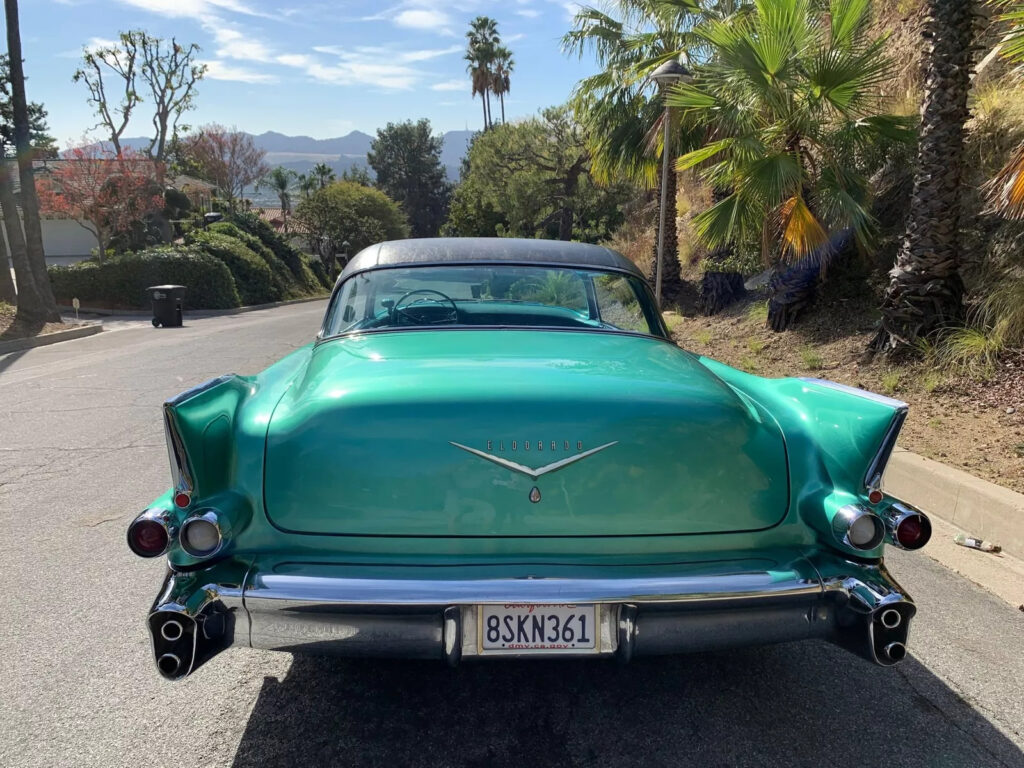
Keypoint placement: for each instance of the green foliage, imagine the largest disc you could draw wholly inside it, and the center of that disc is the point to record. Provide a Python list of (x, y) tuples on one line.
[(253, 225), (971, 351), (891, 381), (811, 360), (790, 102), (346, 211), (618, 106), (407, 160), (253, 276), (319, 271), (120, 282), (532, 179)]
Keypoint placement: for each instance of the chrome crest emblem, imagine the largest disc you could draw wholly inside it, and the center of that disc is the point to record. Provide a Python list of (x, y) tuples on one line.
[(533, 473)]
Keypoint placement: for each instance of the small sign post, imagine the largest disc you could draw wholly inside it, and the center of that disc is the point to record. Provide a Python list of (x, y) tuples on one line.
[(76, 304)]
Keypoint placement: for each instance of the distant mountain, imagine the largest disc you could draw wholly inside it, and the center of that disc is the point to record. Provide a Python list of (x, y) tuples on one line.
[(301, 153)]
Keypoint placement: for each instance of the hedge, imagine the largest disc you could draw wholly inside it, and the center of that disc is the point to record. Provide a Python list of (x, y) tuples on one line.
[(120, 282), (257, 227), (254, 278)]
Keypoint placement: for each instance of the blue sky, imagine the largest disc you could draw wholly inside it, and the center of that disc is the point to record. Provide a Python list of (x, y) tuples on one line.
[(316, 68)]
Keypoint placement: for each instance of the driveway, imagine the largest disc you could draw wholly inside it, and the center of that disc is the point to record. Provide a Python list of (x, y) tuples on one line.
[(82, 451)]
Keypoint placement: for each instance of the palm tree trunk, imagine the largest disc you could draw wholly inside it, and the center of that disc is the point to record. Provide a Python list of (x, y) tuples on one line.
[(671, 278), (28, 293), (487, 98), (46, 307), (502, 97), (483, 105), (925, 291), (7, 292)]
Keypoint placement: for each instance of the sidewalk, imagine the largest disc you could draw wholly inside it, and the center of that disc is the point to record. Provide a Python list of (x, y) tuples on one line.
[(981, 508)]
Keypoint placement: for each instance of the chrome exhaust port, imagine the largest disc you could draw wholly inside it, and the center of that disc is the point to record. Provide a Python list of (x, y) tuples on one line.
[(171, 630), (169, 664), (896, 652), (890, 618)]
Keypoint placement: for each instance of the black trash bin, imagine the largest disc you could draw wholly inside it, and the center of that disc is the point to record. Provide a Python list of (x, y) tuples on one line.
[(166, 305)]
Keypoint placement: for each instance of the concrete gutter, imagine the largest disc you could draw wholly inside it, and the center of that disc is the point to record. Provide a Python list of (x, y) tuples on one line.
[(981, 508), (17, 345), (193, 312)]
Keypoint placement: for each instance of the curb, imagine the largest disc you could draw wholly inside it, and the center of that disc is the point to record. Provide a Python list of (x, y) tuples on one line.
[(194, 312), (17, 345), (981, 508)]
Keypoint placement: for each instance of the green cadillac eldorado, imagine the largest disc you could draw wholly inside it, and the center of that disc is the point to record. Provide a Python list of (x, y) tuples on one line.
[(493, 449)]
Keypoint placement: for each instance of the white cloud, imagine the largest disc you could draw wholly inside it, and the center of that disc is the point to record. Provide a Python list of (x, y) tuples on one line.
[(233, 44), (298, 60), (450, 85), (194, 8), (422, 18), (387, 67), (356, 71), (529, 13), (219, 70)]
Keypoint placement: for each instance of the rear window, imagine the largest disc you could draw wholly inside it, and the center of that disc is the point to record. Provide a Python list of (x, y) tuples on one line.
[(491, 296)]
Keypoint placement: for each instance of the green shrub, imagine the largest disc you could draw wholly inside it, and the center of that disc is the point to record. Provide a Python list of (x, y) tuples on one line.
[(121, 281), (266, 234), (254, 278), (348, 212), (288, 285), (319, 271)]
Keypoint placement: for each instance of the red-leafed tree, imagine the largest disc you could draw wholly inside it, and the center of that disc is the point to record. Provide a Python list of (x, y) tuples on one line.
[(226, 157), (107, 193)]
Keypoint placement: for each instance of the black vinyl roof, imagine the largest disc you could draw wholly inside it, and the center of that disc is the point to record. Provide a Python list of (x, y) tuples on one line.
[(487, 250)]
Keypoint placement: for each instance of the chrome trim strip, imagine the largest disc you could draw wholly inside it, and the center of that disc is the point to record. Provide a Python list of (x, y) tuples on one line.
[(198, 389), (534, 474), (867, 394), (267, 591)]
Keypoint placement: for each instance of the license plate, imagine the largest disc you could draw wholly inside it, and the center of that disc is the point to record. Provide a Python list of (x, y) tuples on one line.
[(528, 628)]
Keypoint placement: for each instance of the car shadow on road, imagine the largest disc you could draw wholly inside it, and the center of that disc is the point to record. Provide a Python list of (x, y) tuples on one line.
[(805, 704)]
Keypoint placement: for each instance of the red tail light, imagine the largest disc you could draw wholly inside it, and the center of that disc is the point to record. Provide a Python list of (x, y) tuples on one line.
[(182, 500), (150, 533), (908, 528)]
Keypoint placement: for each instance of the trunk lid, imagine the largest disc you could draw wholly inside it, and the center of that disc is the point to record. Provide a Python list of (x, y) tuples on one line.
[(457, 433)]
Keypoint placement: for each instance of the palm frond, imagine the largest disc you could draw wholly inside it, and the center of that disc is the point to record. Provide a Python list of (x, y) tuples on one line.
[(802, 233), (1006, 190)]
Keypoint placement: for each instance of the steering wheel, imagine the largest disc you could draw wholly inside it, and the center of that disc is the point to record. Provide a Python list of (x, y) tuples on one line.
[(404, 313)]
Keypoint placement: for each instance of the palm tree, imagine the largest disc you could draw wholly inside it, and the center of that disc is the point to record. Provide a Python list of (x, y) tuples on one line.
[(1006, 190), (35, 295), (501, 82), (280, 180), (306, 184), (790, 101), (621, 112), (482, 39), (323, 173), (925, 291)]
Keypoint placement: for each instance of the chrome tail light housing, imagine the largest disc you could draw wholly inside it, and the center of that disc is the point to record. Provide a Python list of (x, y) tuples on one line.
[(907, 527), (151, 533), (857, 527)]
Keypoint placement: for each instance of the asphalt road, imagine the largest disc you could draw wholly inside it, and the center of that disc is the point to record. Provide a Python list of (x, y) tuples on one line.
[(82, 451)]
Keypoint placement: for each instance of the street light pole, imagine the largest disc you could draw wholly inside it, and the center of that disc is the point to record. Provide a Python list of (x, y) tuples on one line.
[(668, 74)]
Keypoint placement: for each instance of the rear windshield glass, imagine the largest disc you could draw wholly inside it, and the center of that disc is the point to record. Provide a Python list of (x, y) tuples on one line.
[(494, 296)]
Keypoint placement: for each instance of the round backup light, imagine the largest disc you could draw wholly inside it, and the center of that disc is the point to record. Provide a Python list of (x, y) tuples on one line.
[(147, 538), (863, 531), (200, 536), (858, 527)]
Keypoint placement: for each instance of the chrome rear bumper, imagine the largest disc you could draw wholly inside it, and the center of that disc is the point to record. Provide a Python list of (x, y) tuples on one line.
[(646, 610)]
